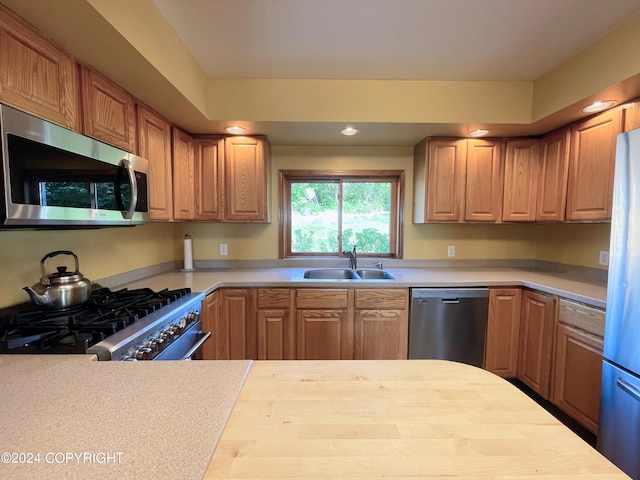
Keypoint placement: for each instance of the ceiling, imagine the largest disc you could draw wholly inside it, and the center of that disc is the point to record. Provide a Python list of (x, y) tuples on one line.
[(390, 39)]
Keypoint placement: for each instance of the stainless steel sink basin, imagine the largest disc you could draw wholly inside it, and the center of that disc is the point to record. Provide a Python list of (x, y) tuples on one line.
[(331, 274), (374, 274)]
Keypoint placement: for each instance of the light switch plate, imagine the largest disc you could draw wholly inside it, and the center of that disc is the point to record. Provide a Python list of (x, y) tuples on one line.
[(604, 258), (451, 251), (223, 249)]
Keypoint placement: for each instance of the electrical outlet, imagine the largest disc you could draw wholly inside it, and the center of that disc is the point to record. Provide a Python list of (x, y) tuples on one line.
[(604, 258), (223, 249), (451, 251)]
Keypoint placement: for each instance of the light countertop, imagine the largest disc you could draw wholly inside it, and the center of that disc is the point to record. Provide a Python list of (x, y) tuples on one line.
[(575, 288), (395, 419), (112, 420)]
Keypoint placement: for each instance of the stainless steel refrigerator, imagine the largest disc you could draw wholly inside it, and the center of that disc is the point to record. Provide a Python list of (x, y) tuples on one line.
[(619, 432)]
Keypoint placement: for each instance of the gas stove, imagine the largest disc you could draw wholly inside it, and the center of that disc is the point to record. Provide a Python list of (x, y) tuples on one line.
[(125, 324)]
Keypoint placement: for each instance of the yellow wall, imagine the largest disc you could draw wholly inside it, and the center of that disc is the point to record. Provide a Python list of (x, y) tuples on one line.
[(102, 253), (573, 244)]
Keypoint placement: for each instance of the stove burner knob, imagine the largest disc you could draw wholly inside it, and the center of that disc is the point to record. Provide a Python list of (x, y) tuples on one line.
[(167, 337), (143, 353), (127, 358), (156, 345), (177, 329), (193, 316)]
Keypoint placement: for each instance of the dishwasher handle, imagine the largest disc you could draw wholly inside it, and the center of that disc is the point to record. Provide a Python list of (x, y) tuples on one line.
[(450, 300)]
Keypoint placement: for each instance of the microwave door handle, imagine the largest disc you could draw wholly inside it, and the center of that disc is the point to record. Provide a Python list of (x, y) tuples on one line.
[(126, 164)]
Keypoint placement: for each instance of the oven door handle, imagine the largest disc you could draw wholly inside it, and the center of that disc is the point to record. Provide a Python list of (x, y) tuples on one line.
[(195, 348)]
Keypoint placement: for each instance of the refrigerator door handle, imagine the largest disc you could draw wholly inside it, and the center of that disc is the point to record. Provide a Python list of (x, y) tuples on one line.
[(630, 389)]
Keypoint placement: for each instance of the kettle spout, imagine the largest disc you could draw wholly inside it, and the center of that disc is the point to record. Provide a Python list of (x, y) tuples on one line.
[(36, 298)]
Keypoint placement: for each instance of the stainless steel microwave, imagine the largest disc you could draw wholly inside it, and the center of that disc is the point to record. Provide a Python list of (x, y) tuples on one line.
[(56, 178)]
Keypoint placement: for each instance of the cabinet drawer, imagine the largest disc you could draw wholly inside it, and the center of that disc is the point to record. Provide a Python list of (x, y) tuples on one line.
[(273, 297), (588, 319), (382, 299), (322, 298)]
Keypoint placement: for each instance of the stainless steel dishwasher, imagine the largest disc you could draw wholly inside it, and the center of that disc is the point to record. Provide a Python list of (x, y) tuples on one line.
[(449, 324)]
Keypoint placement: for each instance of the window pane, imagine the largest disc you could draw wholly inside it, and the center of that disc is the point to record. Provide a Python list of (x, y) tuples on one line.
[(314, 217), (366, 216)]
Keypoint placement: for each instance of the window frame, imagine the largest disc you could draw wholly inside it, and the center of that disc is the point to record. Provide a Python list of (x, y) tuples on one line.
[(286, 177)]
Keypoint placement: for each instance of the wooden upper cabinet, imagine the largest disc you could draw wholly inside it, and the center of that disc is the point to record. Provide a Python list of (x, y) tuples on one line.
[(154, 144), (552, 176), (35, 76), (109, 112), (246, 179), (591, 164), (184, 204), (209, 178), (503, 331), (483, 191), (445, 177), (520, 181), (632, 116)]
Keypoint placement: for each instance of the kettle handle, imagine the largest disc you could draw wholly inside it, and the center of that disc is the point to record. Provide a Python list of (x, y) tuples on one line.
[(45, 278)]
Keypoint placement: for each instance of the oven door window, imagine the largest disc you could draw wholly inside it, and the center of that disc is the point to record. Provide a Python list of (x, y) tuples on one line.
[(47, 176)]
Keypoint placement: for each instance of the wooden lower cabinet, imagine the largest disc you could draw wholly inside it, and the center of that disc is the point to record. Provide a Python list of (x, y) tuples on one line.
[(503, 331), (276, 325), (538, 316), (229, 314), (577, 375), (381, 324)]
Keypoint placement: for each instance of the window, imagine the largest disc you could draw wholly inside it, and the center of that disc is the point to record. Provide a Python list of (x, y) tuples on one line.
[(325, 213)]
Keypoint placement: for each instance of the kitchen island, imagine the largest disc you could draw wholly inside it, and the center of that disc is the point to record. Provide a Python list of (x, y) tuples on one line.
[(395, 419)]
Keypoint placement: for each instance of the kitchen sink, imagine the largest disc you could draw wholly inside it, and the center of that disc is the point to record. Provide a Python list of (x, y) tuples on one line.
[(347, 274), (374, 274), (331, 274)]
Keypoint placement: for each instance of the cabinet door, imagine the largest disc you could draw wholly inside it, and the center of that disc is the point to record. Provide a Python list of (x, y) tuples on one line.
[(184, 201), (552, 180), (246, 179), (578, 375), (445, 180), (238, 329), (108, 111), (323, 335), (35, 76), (520, 181), (274, 327), (209, 178), (536, 341), (503, 331), (380, 335), (154, 144), (632, 116), (483, 191), (591, 163), (214, 348)]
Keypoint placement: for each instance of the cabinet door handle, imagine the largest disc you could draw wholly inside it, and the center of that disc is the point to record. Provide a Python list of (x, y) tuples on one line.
[(630, 389)]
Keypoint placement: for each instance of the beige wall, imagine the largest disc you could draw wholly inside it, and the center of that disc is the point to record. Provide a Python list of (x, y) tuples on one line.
[(102, 253)]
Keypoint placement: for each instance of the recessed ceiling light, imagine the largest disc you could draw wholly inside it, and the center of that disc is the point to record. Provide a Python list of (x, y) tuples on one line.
[(480, 132), (349, 131), (598, 106), (235, 130)]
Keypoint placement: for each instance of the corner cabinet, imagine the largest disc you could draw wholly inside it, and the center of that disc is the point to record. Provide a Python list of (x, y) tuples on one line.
[(154, 144), (209, 178), (520, 180), (503, 331), (247, 169), (553, 174), (538, 317), (184, 203), (591, 164), (108, 111)]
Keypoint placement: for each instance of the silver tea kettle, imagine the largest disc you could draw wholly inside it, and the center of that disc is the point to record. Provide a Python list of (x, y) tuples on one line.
[(61, 289)]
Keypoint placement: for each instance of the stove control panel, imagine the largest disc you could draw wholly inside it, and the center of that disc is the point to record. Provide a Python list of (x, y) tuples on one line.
[(162, 339)]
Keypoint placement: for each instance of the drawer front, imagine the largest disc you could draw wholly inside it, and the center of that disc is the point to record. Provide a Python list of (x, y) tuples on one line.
[(273, 297), (322, 298), (382, 299), (589, 319)]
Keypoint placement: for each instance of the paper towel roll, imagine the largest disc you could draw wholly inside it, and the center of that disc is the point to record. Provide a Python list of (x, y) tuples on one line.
[(188, 254)]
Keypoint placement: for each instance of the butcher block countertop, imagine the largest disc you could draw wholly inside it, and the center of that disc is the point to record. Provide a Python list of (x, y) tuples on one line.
[(400, 419)]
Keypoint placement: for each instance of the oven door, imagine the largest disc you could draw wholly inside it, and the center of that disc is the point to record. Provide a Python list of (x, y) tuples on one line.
[(188, 346)]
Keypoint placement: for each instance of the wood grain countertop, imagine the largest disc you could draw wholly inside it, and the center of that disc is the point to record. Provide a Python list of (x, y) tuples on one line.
[(400, 419)]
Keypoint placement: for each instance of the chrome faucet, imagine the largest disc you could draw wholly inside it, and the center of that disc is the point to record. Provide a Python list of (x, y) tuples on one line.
[(353, 258)]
